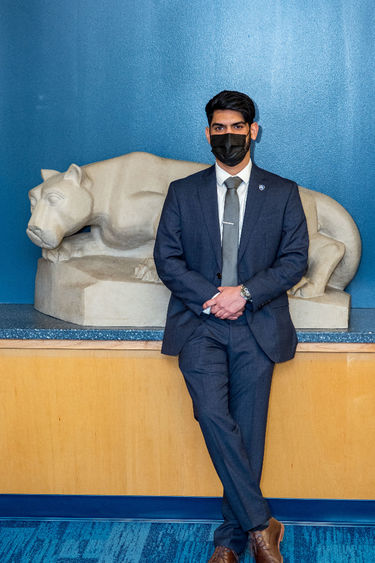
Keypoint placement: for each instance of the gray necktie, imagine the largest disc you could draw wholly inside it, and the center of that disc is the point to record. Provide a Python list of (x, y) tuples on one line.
[(231, 221)]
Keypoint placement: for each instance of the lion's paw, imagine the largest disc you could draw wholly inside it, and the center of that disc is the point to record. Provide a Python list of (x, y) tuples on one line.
[(60, 254), (307, 289), (146, 271)]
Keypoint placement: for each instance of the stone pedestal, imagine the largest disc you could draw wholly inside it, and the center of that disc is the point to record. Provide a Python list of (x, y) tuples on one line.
[(102, 291), (99, 291), (329, 311)]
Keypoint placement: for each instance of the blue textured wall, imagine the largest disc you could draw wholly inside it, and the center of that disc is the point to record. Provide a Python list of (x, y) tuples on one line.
[(85, 80)]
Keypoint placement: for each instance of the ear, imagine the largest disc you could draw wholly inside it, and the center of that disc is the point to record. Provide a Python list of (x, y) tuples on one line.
[(254, 128), (74, 173), (48, 173)]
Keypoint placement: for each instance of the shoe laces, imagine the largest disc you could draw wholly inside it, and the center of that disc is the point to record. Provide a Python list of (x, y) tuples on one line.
[(258, 541)]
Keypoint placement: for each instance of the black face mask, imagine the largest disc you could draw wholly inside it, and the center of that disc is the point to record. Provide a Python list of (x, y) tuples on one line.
[(229, 148)]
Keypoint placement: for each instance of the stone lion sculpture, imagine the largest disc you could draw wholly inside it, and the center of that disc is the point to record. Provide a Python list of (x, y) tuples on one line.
[(106, 276)]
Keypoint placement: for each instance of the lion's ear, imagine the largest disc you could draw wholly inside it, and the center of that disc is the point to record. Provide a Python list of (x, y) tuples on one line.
[(48, 173), (74, 173)]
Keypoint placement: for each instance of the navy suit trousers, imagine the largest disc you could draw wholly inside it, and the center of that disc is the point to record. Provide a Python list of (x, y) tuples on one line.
[(229, 379)]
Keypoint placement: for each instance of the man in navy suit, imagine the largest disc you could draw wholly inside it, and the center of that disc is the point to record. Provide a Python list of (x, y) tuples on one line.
[(232, 240)]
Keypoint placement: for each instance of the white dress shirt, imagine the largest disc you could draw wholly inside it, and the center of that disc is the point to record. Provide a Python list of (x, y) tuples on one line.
[(221, 176)]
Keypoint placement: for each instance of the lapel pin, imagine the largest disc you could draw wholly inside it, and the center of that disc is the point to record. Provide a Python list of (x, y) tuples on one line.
[(262, 187)]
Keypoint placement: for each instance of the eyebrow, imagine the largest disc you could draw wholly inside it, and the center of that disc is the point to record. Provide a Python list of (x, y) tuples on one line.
[(223, 125), (54, 191)]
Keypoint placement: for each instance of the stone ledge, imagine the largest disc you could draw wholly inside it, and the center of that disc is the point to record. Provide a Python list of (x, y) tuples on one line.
[(23, 322)]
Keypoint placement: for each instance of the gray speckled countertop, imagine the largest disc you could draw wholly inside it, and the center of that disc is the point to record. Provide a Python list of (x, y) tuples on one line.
[(23, 322)]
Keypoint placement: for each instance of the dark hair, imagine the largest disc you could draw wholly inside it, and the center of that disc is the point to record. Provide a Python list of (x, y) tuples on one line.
[(236, 101)]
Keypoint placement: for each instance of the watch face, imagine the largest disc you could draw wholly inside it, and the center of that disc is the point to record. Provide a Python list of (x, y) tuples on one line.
[(245, 293)]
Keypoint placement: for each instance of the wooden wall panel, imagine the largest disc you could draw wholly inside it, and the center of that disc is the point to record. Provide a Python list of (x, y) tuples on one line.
[(321, 427), (121, 422)]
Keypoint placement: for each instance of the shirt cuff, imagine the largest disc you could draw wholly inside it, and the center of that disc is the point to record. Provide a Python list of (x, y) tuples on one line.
[(207, 310)]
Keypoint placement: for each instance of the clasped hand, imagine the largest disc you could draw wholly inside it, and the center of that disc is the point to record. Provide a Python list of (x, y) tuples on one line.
[(228, 305)]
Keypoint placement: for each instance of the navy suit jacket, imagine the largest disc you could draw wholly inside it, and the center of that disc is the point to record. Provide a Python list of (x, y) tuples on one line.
[(272, 256)]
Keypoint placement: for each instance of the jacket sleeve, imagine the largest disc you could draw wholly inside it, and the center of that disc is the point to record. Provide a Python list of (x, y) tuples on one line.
[(188, 285), (291, 262)]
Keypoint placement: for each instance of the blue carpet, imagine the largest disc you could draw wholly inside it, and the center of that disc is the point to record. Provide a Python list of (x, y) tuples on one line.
[(160, 542)]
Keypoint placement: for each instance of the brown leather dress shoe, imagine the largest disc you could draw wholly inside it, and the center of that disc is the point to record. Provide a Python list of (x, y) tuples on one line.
[(223, 554), (266, 543)]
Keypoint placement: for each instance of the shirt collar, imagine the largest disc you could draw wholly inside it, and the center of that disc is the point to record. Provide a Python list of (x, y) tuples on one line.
[(222, 175)]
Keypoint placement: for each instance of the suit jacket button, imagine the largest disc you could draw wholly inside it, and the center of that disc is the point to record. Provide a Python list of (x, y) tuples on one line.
[(219, 275)]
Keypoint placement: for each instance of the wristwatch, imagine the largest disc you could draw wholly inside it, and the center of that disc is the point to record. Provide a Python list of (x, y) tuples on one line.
[(245, 293)]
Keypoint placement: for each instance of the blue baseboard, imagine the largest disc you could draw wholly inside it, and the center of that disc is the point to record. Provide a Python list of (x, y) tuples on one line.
[(329, 511)]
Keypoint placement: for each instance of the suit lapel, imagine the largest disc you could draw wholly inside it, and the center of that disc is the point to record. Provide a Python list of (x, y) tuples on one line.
[(207, 192), (256, 196)]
